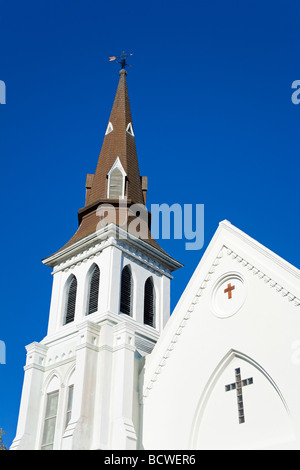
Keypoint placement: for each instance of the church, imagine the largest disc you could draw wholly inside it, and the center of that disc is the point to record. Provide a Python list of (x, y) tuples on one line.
[(118, 371)]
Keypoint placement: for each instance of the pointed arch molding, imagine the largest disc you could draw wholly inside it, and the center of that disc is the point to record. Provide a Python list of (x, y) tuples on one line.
[(225, 251), (232, 354), (52, 375), (62, 379), (117, 164)]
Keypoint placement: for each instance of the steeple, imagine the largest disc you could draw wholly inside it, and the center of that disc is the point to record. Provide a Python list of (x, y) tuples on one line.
[(110, 302), (117, 176), (119, 142)]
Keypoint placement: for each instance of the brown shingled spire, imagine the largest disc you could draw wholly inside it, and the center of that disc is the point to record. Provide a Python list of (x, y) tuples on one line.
[(119, 142), (118, 148)]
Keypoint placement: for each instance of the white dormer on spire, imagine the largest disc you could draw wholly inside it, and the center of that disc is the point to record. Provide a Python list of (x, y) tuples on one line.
[(109, 128), (116, 181), (129, 129)]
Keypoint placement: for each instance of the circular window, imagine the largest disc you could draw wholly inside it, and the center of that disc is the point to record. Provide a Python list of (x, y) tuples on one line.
[(229, 294)]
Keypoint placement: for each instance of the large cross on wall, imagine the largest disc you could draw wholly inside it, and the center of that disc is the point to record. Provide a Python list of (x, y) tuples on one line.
[(238, 386)]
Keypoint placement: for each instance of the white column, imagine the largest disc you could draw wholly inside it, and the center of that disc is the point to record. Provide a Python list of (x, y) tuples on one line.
[(26, 436), (113, 281), (79, 433), (123, 434), (164, 310), (81, 295), (56, 304), (102, 407)]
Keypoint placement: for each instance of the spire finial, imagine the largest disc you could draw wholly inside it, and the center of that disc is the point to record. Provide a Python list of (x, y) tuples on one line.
[(121, 59)]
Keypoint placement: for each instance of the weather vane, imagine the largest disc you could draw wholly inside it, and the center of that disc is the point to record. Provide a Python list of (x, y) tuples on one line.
[(121, 59)]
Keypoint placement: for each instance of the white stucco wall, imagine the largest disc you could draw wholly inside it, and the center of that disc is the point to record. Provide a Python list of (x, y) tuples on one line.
[(185, 404)]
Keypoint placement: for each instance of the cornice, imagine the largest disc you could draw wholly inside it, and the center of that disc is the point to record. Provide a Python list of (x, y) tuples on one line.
[(138, 250), (270, 281), (252, 243)]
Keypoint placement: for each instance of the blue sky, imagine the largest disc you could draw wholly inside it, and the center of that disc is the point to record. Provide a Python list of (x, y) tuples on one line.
[(210, 92)]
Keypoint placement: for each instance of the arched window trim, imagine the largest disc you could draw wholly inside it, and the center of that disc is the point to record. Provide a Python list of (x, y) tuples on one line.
[(126, 291), (149, 303), (118, 165), (70, 299), (93, 289), (51, 394)]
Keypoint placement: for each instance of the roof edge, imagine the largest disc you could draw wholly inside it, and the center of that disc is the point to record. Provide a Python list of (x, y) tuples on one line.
[(104, 233), (281, 262)]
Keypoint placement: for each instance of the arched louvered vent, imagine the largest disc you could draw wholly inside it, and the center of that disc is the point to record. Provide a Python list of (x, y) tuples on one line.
[(126, 291), (149, 303), (116, 184), (94, 290), (71, 300)]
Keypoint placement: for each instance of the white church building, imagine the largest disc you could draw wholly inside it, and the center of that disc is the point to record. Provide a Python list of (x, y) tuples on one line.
[(116, 371)]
